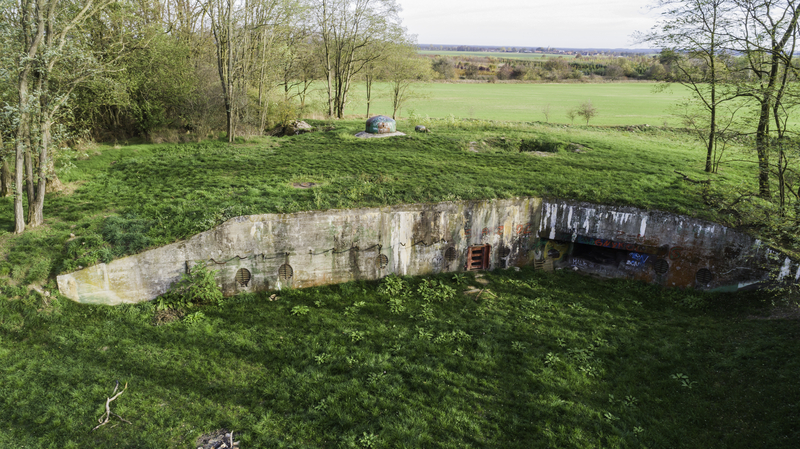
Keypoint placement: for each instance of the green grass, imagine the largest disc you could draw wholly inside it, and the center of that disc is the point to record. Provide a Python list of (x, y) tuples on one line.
[(135, 197), (617, 103), (539, 360), (489, 54)]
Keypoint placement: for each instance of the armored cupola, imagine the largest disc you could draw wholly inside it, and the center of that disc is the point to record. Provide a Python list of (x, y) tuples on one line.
[(381, 124)]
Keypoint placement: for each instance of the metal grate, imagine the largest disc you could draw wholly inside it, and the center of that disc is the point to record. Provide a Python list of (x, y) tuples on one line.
[(285, 272), (243, 277), (383, 261), (478, 257), (661, 266), (450, 254), (704, 276)]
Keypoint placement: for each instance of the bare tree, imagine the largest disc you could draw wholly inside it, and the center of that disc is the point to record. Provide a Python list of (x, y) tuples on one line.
[(351, 33), (586, 110), (572, 114), (245, 34), (692, 33), (766, 34), (403, 69), (546, 112)]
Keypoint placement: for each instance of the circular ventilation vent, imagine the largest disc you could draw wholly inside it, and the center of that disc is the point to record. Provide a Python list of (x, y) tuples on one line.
[(285, 272), (383, 261), (704, 276), (243, 277), (450, 254), (505, 252), (554, 254), (661, 266)]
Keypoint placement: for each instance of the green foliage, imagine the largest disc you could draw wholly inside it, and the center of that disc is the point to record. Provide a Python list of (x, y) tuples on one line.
[(545, 144), (197, 287), (300, 310), (431, 290), (127, 234)]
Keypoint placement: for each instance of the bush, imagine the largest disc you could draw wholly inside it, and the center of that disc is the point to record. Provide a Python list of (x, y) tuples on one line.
[(541, 144), (199, 286)]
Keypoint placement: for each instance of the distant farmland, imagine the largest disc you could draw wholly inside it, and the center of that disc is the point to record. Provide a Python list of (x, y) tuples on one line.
[(490, 54), (616, 103)]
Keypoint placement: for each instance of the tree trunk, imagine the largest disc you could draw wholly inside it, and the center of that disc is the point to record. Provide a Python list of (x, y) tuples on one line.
[(762, 149), (29, 184), (6, 189)]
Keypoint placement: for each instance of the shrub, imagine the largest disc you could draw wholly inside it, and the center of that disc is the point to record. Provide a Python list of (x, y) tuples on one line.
[(541, 144), (194, 288)]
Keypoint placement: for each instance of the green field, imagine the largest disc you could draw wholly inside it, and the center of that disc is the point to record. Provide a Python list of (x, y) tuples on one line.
[(617, 103), (489, 54)]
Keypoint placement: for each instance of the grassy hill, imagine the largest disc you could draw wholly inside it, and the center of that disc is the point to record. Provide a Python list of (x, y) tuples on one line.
[(534, 360), (123, 199)]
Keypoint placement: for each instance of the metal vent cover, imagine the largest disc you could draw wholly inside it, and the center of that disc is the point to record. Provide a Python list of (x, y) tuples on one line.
[(285, 272), (661, 266), (243, 277), (450, 254), (704, 276), (383, 261), (505, 252)]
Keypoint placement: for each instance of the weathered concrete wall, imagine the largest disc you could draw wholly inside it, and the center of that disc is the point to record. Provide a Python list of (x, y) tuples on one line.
[(265, 252), (655, 246), (321, 248)]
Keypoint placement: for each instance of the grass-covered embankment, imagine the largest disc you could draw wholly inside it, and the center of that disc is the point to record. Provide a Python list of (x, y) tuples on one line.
[(128, 198), (540, 360)]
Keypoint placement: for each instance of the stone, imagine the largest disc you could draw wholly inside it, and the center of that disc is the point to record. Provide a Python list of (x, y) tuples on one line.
[(381, 124)]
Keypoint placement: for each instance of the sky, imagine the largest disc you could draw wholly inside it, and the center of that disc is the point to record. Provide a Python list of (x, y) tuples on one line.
[(531, 23)]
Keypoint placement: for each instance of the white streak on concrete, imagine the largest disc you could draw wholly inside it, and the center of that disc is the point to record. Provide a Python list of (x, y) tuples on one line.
[(553, 220), (643, 226), (569, 218), (787, 265)]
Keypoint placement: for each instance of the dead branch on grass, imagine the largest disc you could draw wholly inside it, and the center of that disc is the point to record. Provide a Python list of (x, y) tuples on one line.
[(693, 181), (107, 415)]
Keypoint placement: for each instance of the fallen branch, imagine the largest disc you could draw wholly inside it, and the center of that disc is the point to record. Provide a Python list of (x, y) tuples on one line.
[(107, 415), (694, 181)]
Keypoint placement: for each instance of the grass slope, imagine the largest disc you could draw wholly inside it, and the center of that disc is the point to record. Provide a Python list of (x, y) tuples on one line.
[(540, 360), (134, 197)]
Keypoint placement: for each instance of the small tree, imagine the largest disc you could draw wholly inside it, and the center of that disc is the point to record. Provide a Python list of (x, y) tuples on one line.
[(571, 114), (404, 68), (546, 112), (586, 110)]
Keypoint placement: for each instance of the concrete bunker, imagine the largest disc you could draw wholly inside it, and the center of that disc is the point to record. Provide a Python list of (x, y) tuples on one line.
[(274, 251)]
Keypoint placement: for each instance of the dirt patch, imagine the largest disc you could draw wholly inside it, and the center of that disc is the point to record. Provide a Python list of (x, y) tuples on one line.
[(220, 439), (304, 185), (162, 317), (70, 188), (539, 153), (366, 135)]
